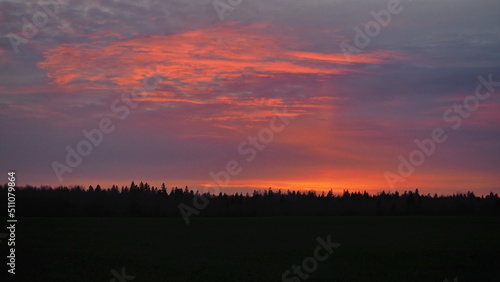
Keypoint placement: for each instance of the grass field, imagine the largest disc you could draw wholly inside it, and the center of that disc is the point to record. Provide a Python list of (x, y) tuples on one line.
[(258, 249)]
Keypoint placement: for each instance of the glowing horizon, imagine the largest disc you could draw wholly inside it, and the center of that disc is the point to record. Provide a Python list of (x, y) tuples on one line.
[(322, 118)]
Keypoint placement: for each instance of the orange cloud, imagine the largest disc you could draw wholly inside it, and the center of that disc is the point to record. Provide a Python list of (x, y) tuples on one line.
[(194, 62)]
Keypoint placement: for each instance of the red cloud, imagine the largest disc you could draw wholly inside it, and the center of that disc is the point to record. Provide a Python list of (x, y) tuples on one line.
[(194, 61)]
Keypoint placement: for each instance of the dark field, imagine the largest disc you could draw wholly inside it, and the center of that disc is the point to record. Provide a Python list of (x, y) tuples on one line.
[(257, 249)]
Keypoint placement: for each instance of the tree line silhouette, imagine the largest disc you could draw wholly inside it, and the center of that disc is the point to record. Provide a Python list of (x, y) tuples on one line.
[(144, 200)]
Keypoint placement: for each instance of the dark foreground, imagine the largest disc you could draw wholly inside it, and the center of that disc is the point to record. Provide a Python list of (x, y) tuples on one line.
[(257, 249)]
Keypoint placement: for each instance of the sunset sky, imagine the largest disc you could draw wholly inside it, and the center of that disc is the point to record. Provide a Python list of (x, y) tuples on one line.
[(343, 119)]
